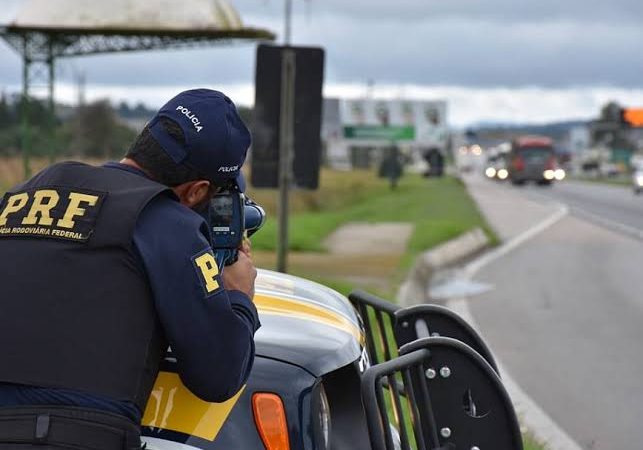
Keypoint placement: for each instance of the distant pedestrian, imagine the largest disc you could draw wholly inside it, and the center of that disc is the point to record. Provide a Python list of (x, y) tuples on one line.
[(391, 166), (435, 161)]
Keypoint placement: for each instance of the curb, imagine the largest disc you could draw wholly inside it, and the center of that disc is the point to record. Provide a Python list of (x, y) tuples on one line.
[(415, 289)]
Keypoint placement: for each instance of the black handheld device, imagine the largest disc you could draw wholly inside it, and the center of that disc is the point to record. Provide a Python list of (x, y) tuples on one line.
[(232, 217), (226, 226)]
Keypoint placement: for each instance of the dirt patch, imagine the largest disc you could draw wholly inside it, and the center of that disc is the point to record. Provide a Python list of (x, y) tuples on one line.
[(370, 238), (363, 254)]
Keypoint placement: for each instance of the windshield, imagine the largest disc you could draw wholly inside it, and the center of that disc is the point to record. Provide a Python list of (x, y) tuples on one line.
[(535, 154)]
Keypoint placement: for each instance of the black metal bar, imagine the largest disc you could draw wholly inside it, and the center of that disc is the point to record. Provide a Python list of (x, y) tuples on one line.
[(415, 414), (386, 424), (375, 328), (422, 329), (427, 416), (370, 299), (370, 387), (385, 346), (395, 394), (368, 330)]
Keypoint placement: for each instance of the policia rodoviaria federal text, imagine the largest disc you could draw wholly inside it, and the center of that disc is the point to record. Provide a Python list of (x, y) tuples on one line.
[(102, 268)]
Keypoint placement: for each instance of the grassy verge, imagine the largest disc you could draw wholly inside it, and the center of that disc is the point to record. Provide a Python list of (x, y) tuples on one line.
[(439, 209)]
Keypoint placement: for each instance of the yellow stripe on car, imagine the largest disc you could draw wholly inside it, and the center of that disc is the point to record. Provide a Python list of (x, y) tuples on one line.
[(173, 407), (267, 304)]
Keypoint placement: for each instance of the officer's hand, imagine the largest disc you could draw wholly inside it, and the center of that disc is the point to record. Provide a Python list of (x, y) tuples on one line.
[(241, 275), (245, 247)]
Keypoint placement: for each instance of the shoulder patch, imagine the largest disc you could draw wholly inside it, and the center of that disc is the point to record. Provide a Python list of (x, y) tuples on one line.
[(208, 272), (50, 212)]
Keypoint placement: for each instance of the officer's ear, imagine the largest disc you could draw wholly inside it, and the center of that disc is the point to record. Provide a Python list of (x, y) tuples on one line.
[(192, 193)]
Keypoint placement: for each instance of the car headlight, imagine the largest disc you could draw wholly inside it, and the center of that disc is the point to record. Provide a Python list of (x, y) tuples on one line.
[(321, 418), (549, 174), (639, 180), (559, 174), (490, 172), (503, 174)]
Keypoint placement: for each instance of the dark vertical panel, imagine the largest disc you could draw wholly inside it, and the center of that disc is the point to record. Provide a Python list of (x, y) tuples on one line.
[(309, 80), (265, 132), (308, 112)]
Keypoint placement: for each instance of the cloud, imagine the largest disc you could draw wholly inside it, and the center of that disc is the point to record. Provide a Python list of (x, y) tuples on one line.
[(451, 51), (455, 51), (466, 105), (569, 48), (502, 12)]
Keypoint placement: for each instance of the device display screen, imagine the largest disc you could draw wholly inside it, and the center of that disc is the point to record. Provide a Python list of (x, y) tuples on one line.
[(221, 212)]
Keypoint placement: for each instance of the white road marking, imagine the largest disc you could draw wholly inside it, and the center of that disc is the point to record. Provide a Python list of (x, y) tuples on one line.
[(596, 219), (473, 267), (608, 223), (532, 416)]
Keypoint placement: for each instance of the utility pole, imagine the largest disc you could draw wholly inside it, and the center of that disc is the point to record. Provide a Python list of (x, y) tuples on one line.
[(286, 152), (24, 112), (287, 22), (81, 89), (286, 141), (51, 104)]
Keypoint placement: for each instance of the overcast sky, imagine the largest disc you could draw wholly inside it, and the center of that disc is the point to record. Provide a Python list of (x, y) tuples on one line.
[(492, 60)]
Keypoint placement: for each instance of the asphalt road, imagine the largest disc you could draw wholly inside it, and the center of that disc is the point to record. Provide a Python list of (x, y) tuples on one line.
[(615, 206), (566, 314)]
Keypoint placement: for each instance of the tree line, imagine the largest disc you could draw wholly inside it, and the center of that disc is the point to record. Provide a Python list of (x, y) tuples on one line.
[(92, 130)]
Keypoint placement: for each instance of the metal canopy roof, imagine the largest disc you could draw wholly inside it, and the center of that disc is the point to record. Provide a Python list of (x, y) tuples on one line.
[(45, 30), (81, 27)]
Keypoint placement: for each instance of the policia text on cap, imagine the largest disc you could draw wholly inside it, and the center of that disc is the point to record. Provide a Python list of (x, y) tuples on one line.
[(102, 268)]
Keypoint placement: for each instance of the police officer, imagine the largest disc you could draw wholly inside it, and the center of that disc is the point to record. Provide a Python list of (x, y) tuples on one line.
[(101, 268)]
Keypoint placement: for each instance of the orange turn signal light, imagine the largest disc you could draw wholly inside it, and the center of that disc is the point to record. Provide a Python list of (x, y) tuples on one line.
[(270, 418)]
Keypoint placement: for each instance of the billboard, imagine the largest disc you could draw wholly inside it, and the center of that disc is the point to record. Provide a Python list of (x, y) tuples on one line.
[(418, 122)]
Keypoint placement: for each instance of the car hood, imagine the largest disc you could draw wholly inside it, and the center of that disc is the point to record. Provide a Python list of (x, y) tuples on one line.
[(305, 323)]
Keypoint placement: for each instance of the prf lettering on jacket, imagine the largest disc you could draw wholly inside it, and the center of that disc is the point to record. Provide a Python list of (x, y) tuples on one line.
[(50, 212), (208, 272)]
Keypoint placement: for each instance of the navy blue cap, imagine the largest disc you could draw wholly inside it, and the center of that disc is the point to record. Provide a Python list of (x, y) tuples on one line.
[(216, 139)]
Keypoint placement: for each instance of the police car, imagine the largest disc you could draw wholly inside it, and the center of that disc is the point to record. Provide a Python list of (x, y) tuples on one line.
[(332, 372)]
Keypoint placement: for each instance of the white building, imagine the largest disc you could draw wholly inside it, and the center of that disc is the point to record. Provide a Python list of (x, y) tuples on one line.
[(354, 131)]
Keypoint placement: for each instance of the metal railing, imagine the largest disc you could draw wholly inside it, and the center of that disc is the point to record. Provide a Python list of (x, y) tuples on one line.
[(433, 383)]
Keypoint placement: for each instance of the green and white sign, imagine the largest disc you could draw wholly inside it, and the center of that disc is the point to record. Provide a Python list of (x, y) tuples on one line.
[(374, 132), (418, 122)]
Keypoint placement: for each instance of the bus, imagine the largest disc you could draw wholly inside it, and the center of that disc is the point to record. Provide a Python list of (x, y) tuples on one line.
[(532, 158)]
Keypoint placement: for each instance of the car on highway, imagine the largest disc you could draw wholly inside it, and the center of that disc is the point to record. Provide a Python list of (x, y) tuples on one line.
[(496, 164), (351, 374), (637, 180), (532, 158), (469, 158)]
